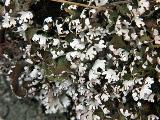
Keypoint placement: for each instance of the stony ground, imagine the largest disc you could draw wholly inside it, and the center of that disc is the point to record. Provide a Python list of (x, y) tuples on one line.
[(12, 108)]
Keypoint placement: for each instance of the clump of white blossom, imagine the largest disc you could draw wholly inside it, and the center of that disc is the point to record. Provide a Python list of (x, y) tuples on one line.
[(84, 69)]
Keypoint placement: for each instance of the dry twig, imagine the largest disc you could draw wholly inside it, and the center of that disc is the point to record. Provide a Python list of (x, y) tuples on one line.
[(75, 3), (107, 6)]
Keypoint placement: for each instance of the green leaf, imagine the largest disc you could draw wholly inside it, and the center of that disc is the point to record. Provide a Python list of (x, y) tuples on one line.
[(70, 37), (127, 76), (69, 11), (144, 37), (112, 20), (123, 9), (30, 32), (156, 46), (117, 42), (113, 16)]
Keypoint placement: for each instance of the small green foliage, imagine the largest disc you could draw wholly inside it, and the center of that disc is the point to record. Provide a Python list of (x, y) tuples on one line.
[(30, 32), (156, 46), (144, 37), (127, 76), (123, 9), (71, 12), (57, 68), (112, 20), (70, 37), (117, 42), (100, 57)]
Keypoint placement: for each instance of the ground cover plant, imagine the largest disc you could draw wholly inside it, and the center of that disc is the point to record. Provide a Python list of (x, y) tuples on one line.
[(91, 59)]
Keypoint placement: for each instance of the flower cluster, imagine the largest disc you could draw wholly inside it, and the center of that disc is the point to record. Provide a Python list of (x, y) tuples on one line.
[(93, 63)]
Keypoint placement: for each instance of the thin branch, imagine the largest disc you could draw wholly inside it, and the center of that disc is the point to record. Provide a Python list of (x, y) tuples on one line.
[(120, 2), (107, 6), (75, 3)]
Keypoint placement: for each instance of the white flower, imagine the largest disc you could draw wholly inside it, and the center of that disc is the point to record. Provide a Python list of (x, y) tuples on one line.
[(96, 117), (45, 27), (99, 64), (29, 61), (129, 7), (52, 104), (150, 59), (82, 69), (149, 81), (75, 24), (48, 19), (87, 115), (74, 7), (41, 40), (8, 21), (56, 42), (122, 30), (105, 97), (135, 96), (100, 2), (151, 98), (7, 2), (108, 16), (156, 36), (126, 113), (134, 36), (54, 55), (79, 107), (134, 116), (97, 98), (24, 26), (123, 72), (28, 49), (87, 22), (83, 14), (59, 27), (153, 117), (158, 1), (105, 111), (65, 101), (158, 60), (92, 12), (139, 104), (111, 48), (155, 32), (92, 105), (93, 73), (128, 85), (157, 39), (121, 52), (74, 54), (77, 44), (144, 4), (60, 53), (34, 73), (145, 91), (124, 55), (139, 22), (145, 65), (91, 53), (25, 16), (100, 45), (110, 75)]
